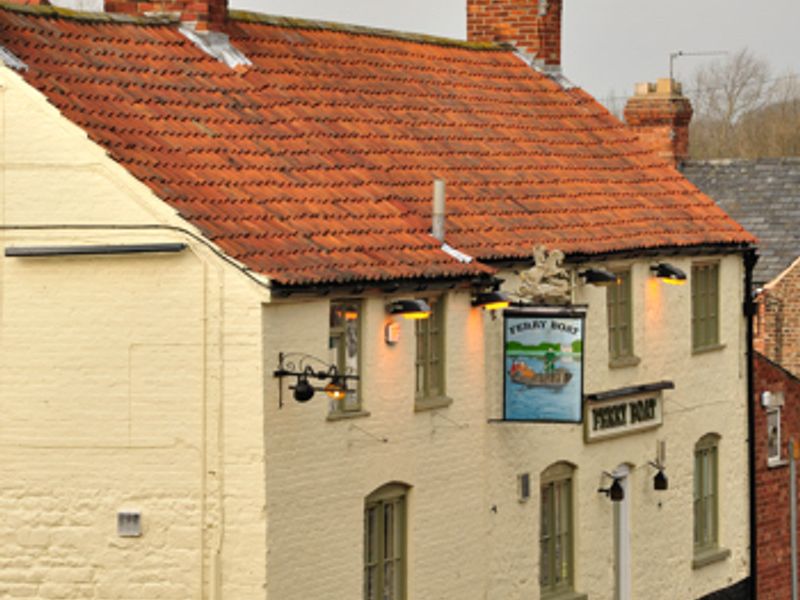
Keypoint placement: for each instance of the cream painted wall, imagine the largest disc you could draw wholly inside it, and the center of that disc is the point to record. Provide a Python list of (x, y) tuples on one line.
[(146, 383), (319, 472), (128, 382), (709, 396)]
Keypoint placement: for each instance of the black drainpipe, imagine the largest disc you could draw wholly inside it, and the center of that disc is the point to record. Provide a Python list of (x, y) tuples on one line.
[(750, 257)]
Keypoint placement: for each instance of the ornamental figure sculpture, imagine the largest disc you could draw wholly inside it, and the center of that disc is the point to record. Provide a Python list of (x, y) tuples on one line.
[(547, 282)]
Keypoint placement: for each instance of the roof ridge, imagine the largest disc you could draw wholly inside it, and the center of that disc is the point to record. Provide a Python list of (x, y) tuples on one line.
[(314, 24), (741, 161), (78, 15), (259, 18)]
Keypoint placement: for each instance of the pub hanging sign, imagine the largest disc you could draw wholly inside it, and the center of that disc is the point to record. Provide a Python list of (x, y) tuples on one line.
[(543, 364)]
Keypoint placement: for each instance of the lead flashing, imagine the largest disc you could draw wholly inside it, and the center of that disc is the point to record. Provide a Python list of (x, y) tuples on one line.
[(10, 60), (216, 44)]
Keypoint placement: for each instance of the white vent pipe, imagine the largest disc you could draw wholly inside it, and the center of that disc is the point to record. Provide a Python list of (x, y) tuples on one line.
[(438, 209)]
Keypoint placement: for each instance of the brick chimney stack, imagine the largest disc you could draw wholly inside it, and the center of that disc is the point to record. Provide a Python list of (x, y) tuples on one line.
[(659, 113), (206, 14), (533, 26)]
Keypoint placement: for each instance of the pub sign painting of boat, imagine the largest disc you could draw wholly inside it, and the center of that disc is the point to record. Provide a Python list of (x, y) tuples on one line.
[(543, 368)]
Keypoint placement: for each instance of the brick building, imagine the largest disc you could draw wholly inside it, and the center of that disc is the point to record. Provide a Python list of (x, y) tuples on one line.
[(778, 396), (216, 227), (764, 195)]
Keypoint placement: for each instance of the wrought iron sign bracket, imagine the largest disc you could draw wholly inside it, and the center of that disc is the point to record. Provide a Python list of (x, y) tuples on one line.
[(302, 366)]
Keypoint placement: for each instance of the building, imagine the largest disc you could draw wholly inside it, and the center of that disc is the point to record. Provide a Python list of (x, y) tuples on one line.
[(763, 195), (196, 202)]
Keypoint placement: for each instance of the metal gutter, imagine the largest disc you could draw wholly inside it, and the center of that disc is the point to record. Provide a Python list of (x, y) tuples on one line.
[(103, 250)]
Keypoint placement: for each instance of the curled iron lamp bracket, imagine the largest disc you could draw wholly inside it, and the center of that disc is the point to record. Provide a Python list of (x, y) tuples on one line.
[(615, 491), (306, 367)]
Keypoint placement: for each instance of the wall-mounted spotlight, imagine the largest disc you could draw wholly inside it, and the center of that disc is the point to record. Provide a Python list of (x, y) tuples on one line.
[(598, 277), (303, 390), (660, 481), (669, 274), (409, 309), (491, 300), (615, 491)]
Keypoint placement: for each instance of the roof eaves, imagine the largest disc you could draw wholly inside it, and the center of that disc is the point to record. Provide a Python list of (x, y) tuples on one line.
[(297, 23)]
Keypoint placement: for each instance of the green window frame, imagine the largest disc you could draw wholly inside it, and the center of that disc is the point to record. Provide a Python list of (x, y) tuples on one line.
[(705, 306), (430, 355), (344, 350), (556, 537), (385, 543), (619, 304), (706, 494)]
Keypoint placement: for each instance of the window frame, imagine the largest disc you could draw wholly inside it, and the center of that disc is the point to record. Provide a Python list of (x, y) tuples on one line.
[(396, 496), (431, 335), (705, 305), (353, 404), (705, 489), (774, 459), (619, 320), (559, 476)]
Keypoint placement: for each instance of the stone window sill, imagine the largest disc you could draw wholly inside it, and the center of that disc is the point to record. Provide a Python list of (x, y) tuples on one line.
[(708, 557), (705, 349), (624, 361), (352, 414), (776, 463), (565, 595), (423, 404)]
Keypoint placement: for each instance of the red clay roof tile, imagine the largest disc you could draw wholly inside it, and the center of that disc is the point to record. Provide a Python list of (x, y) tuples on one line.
[(316, 163)]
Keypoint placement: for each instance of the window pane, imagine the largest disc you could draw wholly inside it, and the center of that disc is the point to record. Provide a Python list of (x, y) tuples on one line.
[(388, 531), (384, 567), (618, 304), (773, 434), (430, 352), (371, 553), (344, 349), (545, 556), (555, 536), (705, 497), (705, 305), (388, 581)]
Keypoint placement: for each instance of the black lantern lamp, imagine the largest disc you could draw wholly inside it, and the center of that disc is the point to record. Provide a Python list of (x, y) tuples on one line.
[(303, 390), (599, 277), (660, 481), (669, 274), (337, 388), (409, 309), (615, 492), (491, 300)]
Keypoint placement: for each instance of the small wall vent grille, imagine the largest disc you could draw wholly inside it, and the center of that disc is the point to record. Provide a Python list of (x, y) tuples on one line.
[(129, 524), (524, 485)]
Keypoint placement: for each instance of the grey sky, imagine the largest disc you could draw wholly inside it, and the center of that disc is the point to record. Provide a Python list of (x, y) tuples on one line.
[(608, 45)]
